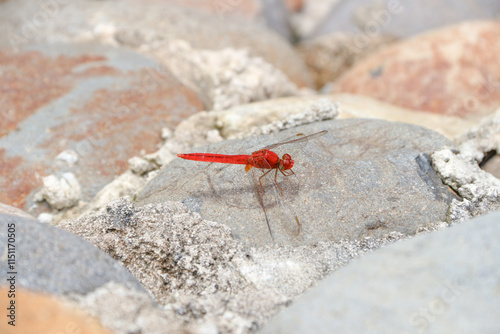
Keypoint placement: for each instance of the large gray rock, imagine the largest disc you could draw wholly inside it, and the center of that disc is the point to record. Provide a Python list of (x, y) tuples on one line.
[(445, 282), (367, 19), (364, 178), (54, 261)]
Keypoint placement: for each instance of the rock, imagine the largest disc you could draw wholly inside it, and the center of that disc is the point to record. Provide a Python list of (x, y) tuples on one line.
[(275, 115), (481, 140), (105, 104), (444, 282), (242, 121), (65, 284), (125, 185), (242, 10), (149, 28), (277, 17), (197, 272), (141, 166), (199, 130), (226, 78), (177, 264), (451, 71), (311, 15), (360, 106), (124, 310), (364, 178), (329, 56), (479, 190), (371, 19), (42, 313), (60, 193), (46, 218), (492, 166), (68, 156), (13, 211), (49, 260), (294, 5), (482, 143)]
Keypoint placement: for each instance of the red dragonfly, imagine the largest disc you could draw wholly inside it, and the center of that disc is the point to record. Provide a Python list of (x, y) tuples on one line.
[(262, 159)]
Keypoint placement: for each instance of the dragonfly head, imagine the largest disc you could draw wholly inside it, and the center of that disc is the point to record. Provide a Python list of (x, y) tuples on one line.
[(287, 162)]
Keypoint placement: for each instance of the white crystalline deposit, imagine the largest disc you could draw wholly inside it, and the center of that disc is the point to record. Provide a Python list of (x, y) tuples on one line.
[(60, 193), (229, 77), (480, 190)]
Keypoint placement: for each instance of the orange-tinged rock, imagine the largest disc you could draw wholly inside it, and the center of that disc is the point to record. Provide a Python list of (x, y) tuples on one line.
[(104, 104), (453, 71), (42, 313)]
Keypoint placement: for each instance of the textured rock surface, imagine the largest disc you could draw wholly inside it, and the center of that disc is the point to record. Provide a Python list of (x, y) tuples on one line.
[(364, 178), (228, 77), (445, 282), (124, 310), (481, 140), (479, 190), (60, 193), (198, 272)]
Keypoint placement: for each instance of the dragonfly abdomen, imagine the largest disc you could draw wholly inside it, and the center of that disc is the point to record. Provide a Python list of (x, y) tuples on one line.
[(241, 159)]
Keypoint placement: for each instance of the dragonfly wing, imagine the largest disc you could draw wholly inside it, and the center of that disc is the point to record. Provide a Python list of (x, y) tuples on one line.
[(297, 139), (260, 194), (275, 202)]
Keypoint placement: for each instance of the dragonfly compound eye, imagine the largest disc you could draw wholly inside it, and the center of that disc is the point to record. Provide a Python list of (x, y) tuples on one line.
[(287, 161)]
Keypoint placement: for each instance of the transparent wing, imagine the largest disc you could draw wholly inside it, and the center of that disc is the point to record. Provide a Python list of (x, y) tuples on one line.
[(296, 139), (275, 201)]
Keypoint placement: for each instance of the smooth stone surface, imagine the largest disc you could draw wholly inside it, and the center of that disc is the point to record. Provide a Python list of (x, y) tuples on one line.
[(103, 104), (366, 18), (492, 166), (364, 178), (444, 282), (451, 71), (362, 106), (54, 261)]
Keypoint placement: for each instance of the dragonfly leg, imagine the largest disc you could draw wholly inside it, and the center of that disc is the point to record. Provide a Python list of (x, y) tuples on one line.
[(288, 172), (299, 226), (276, 181), (260, 180), (261, 199)]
